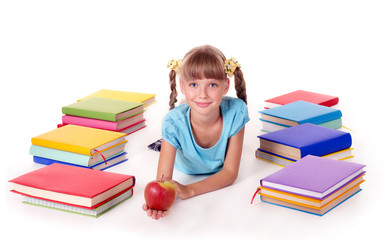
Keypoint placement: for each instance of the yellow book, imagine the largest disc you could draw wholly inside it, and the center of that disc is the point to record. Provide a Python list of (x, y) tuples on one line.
[(145, 98), (79, 139)]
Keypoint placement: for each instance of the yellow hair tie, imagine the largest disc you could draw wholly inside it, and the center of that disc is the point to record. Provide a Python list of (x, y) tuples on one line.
[(174, 64), (230, 66)]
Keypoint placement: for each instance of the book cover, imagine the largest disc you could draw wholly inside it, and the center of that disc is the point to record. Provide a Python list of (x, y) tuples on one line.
[(300, 112), (72, 185), (301, 140), (79, 139), (316, 98), (75, 158), (103, 109), (145, 98), (313, 176), (102, 124), (95, 212), (101, 165)]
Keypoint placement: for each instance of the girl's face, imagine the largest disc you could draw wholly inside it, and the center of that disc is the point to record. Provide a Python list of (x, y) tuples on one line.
[(204, 95)]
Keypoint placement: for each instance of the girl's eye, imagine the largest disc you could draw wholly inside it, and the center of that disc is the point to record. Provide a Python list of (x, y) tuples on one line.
[(213, 85), (193, 85)]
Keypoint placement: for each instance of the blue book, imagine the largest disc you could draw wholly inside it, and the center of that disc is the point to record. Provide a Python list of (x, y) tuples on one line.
[(299, 141), (115, 160), (301, 112)]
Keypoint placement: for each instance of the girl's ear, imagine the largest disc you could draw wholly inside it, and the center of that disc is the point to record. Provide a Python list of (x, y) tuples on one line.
[(227, 86)]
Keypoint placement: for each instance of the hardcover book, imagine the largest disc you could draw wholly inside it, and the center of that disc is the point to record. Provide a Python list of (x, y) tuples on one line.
[(313, 176), (313, 184), (300, 112), (145, 98), (79, 139), (72, 185), (296, 142), (103, 109), (316, 98), (102, 124)]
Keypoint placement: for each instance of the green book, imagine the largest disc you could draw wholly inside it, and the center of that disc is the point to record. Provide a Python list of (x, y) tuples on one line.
[(104, 109)]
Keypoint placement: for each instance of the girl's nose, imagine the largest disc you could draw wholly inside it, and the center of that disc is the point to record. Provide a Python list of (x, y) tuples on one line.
[(203, 92)]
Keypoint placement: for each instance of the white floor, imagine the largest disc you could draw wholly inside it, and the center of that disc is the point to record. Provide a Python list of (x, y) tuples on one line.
[(52, 53)]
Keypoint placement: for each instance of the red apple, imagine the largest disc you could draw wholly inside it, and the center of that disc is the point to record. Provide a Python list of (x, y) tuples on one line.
[(159, 195)]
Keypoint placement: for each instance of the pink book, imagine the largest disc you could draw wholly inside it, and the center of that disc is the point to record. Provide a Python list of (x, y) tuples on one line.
[(102, 124)]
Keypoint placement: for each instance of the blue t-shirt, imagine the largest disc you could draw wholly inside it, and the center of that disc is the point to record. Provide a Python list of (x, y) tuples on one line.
[(190, 157)]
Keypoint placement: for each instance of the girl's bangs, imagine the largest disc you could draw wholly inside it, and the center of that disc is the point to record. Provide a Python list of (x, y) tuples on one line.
[(203, 65)]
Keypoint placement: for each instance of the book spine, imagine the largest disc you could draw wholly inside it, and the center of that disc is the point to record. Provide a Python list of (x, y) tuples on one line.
[(59, 155), (326, 147), (90, 122), (89, 114), (61, 146)]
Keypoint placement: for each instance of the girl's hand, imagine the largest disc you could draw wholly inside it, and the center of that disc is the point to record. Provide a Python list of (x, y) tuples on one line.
[(183, 191), (155, 214)]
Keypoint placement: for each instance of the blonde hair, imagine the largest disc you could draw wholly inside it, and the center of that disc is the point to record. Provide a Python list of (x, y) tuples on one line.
[(205, 62)]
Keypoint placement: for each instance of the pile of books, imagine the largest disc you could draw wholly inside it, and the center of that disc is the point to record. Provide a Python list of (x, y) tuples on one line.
[(313, 184), (109, 110), (74, 189), (92, 137), (300, 123), (80, 146)]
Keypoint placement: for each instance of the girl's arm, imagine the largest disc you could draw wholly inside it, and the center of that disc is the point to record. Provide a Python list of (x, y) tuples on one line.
[(165, 168), (223, 178)]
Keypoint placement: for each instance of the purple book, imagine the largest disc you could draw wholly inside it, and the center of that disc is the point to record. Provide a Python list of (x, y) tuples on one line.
[(313, 176)]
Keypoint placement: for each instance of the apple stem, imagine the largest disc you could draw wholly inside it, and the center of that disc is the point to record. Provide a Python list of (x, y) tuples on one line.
[(162, 178)]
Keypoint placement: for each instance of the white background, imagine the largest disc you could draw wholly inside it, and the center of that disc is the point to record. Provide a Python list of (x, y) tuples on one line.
[(54, 52)]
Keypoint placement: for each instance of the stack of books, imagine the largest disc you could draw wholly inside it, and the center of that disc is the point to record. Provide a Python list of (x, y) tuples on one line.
[(288, 145), (80, 146), (313, 184), (104, 113), (312, 97), (74, 189), (299, 112)]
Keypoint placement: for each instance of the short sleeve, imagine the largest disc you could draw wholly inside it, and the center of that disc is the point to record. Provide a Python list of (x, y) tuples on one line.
[(170, 131), (240, 115)]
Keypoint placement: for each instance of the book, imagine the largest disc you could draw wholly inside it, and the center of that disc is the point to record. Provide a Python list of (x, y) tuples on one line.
[(310, 201), (75, 158), (95, 212), (72, 185), (282, 161), (102, 124), (79, 139), (296, 142), (312, 184), (145, 98), (268, 126), (312, 97), (313, 176), (101, 165), (316, 211), (300, 112), (103, 109)]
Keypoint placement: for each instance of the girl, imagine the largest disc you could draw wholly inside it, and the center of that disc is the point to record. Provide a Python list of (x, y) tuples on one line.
[(205, 134)]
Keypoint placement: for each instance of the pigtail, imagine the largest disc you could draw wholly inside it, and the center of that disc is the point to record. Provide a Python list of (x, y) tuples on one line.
[(174, 92), (240, 84)]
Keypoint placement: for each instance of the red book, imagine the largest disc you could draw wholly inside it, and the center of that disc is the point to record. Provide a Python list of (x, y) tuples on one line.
[(72, 185), (316, 98)]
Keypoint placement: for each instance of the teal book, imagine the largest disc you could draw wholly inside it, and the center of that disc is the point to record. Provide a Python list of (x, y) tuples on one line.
[(301, 112), (103, 109), (75, 158)]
